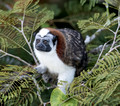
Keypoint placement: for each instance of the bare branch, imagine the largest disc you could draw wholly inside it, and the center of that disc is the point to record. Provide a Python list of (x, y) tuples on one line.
[(115, 48), (101, 52), (3, 55), (91, 38), (22, 31), (32, 29), (103, 48), (16, 57), (45, 104), (51, 87), (6, 5), (114, 41), (17, 44), (16, 28), (112, 49)]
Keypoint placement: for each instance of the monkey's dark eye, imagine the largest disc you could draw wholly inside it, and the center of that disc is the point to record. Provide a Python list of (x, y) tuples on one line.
[(37, 40), (45, 41)]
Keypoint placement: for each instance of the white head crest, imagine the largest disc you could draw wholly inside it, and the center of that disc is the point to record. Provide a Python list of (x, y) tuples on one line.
[(43, 32)]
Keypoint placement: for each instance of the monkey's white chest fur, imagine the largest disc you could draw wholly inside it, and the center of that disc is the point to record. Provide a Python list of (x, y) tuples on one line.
[(55, 65)]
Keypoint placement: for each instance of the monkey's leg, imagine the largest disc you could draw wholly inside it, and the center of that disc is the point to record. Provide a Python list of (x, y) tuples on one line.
[(64, 79)]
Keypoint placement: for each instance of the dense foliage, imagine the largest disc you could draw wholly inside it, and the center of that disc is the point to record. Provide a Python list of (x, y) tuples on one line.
[(99, 24)]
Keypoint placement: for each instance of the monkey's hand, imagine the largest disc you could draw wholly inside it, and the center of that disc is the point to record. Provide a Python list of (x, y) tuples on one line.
[(41, 69), (46, 77), (49, 78)]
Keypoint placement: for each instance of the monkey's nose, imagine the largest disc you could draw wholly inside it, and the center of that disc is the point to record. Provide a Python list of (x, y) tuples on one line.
[(41, 47)]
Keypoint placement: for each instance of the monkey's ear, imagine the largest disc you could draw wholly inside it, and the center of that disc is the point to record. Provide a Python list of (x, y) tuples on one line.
[(36, 31), (34, 34), (54, 39)]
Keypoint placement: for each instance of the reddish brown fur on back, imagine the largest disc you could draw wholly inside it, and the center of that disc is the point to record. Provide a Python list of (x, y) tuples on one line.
[(61, 45)]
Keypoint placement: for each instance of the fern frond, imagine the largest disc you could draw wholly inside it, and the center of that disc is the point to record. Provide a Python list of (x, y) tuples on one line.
[(34, 16), (6, 18), (19, 24), (115, 3), (16, 85), (34, 20), (26, 97), (98, 87), (21, 5), (96, 22), (11, 38), (91, 3)]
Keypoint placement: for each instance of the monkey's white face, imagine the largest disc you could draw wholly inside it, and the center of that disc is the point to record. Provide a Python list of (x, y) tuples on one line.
[(45, 41)]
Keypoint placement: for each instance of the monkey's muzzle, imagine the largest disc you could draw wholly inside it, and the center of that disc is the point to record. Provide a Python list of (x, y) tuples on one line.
[(43, 47)]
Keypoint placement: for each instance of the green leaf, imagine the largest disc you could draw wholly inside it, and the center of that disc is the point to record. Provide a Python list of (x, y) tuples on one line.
[(11, 35), (91, 3), (102, 85), (115, 3), (26, 102), (31, 98), (98, 21), (59, 98), (11, 38), (5, 98), (14, 83)]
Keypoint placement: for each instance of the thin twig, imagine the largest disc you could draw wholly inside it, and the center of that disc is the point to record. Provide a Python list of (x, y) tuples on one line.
[(6, 5), (16, 28), (3, 56), (98, 31), (18, 45), (22, 31), (91, 38), (114, 41), (114, 48), (111, 30), (115, 19), (51, 87), (16, 57), (103, 48), (33, 29), (45, 104)]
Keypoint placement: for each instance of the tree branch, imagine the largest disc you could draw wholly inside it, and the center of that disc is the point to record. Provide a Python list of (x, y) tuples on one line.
[(16, 57), (91, 38), (5, 5), (3, 56), (22, 31), (115, 35), (103, 48)]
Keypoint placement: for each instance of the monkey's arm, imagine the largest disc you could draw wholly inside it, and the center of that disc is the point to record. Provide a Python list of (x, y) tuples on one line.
[(41, 69), (46, 76)]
